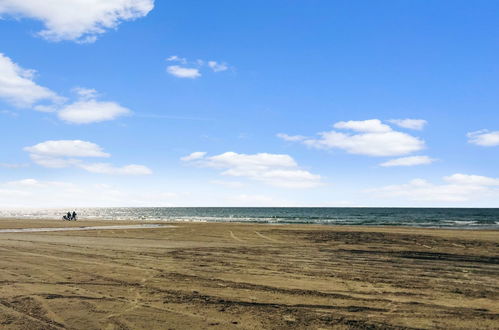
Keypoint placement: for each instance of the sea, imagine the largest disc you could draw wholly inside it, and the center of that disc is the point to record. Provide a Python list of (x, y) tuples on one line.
[(458, 218)]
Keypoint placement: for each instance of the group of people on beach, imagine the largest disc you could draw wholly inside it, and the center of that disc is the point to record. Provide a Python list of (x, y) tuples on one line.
[(70, 216)]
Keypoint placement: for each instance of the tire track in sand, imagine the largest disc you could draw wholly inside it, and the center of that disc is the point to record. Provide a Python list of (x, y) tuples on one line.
[(235, 237), (46, 323), (266, 237)]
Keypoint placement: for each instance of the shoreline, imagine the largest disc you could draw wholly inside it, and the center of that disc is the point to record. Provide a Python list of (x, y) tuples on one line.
[(159, 221)]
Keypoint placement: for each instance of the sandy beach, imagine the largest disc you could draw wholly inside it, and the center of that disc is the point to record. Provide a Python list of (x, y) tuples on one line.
[(247, 276)]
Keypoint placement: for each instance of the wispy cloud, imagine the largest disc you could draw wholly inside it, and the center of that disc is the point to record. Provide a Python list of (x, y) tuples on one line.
[(291, 138), (9, 113), (457, 188), (69, 153), (13, 165), (408, 161), (416, 124), (273, 169), (229, 184), (251, 200), (105, 168), (175, 58), (218, 67), (31, 192), (194, 156), (484, 138), (192, 69), (174, 117)]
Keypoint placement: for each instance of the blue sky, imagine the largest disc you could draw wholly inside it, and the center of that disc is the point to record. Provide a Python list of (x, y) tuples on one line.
[(261, 103)]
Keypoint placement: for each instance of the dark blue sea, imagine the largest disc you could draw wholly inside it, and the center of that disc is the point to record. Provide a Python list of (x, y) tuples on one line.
[(462, 218)]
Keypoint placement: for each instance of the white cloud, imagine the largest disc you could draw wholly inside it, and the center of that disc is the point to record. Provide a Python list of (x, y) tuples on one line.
[(24, 182), (175, 58), (484, 138), (62, 153), (9, 113), (260, 200), (372, 138), (459, 188), (235, 161), (53, 162), (195, 67), (193, 156), (88, 110), (80, 20), (36, 183), (182, 72), (17, 86), (417, 124), (408, 161), (86, 93), (48, 194), (291, 138), (13, 165), (466, 179), (67, 148), (365, 126), (272, 169), (91, 111), (105, 168), (229, 184), (67, 153), (217, 67)]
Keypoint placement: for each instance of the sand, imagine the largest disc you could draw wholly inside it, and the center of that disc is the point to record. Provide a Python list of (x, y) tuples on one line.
[(247, 276)]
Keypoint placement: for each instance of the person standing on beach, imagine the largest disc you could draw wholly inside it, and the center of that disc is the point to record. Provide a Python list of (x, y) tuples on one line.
[(73, 217)]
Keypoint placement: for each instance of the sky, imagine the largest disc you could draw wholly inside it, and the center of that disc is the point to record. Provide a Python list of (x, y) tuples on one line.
[(249, 103)]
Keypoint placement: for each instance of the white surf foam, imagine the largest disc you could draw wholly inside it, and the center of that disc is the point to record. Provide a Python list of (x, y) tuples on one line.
[(35, 230)]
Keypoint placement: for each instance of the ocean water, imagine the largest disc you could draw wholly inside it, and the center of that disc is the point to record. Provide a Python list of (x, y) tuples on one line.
[(462, 218)]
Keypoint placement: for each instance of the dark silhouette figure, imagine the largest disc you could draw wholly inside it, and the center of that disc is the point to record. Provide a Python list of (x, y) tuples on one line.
[(70, 216)]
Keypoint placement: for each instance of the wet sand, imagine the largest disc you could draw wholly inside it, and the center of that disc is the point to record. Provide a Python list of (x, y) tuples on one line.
[(247, 276)]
